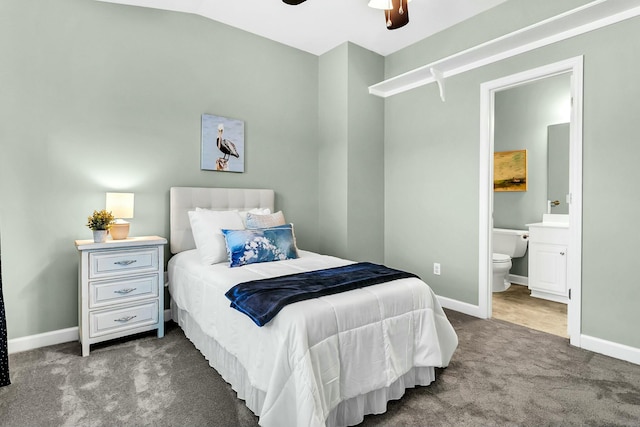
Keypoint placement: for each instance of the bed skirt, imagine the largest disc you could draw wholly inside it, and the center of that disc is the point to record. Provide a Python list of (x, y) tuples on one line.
[(348, 413)]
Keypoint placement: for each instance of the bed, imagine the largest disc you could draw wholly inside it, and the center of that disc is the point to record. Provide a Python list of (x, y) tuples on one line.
[(324, 361)]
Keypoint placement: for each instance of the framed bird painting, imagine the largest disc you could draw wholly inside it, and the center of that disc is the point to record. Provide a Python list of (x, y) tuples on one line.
[(222, 144)]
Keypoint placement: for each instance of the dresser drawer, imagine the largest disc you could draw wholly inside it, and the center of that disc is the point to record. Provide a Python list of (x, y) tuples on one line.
[(111, 321), (122, 291), (110, 263)]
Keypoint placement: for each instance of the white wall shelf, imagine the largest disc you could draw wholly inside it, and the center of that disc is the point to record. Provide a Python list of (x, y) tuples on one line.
[(589, 17)]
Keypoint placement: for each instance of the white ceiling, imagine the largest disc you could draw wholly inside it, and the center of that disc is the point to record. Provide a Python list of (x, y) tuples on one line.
[(317, 26)]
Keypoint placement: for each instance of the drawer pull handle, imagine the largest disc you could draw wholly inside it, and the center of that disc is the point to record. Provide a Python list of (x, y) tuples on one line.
[(127, 262), (561, 253), (124, 319), (124, 291)]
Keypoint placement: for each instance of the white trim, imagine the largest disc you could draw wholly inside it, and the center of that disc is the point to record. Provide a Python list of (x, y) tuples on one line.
[(519, 280), (551, 297), (589, 17), (597, 345), (612, 349), (574, 266), (31, 342), (459, 306), (485, 192), (61, 336), (574, 262)]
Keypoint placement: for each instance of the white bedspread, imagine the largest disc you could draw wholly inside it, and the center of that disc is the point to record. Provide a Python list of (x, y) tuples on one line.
[(315, 354)]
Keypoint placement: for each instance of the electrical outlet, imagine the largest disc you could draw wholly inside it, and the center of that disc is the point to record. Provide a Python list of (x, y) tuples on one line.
[(436, 268)]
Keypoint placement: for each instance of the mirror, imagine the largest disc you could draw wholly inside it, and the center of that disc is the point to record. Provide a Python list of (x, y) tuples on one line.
[(557, 168)]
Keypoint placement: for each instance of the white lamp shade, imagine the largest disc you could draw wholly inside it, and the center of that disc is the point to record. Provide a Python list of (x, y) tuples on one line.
[(120, 204)]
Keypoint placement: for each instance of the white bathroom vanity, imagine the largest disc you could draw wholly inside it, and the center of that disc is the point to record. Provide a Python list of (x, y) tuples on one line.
[(548, 243)]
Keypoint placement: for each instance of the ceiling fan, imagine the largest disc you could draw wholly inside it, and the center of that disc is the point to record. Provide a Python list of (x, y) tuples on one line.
[(396, 12)]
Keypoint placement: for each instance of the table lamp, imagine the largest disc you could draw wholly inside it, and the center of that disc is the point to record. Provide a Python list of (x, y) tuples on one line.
[(121, 206)]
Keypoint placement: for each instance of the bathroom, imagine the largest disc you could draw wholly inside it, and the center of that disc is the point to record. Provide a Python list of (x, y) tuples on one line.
[(533, 117)]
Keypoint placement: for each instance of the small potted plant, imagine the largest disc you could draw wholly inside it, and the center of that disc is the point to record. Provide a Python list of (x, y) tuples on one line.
[(100, 222)]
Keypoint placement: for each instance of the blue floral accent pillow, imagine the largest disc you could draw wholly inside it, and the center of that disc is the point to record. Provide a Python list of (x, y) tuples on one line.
[(260, 245)]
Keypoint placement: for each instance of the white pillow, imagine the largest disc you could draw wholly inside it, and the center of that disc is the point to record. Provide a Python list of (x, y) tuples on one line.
[(206, 225), (256, 211), (265, 221)]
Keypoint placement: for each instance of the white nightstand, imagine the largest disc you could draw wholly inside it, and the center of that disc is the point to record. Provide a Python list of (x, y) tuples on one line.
[(120, 288)]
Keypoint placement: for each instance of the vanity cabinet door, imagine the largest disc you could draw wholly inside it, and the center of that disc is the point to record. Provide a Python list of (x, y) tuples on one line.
[(548, 268)]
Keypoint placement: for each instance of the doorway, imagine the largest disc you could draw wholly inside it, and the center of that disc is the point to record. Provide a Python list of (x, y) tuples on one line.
[(572, 68)]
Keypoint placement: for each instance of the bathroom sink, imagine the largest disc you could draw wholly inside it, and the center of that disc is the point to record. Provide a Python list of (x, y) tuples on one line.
[(552, 220), (556, 218)]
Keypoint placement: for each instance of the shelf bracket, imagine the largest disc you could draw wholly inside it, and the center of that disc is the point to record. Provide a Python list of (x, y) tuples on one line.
[(439, 78)]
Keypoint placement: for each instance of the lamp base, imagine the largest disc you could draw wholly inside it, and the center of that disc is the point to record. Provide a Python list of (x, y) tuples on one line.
[(119, 231)]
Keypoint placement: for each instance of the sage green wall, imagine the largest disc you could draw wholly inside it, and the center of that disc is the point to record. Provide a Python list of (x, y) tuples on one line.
[(366, 157), (432, 157), (99, 97), (507, 17), (333, 133), (351, 130), (521, 117)]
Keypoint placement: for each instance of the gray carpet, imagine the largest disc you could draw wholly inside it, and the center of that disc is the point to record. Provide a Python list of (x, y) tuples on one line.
[(136, 382), (501, 375)]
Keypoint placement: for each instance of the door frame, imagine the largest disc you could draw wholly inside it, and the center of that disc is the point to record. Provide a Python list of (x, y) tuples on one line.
[(573, 66)]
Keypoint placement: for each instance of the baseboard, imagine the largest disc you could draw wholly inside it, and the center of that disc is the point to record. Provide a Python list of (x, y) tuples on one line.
[(459, 306), (612, 349), (519, 280), (61, 336), (597, 345), (31, 342)]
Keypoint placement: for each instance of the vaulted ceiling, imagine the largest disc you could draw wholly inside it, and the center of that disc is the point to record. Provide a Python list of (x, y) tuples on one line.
[(317, 26)]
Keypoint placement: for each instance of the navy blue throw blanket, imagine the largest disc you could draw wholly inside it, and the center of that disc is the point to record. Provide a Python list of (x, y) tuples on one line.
[(262, 299)]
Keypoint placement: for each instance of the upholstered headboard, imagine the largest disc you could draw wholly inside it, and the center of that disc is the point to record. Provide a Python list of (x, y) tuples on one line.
[(185, 199)]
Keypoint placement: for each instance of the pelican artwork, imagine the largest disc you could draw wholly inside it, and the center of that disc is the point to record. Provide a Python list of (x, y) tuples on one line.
[(228, 149), (222, 139)]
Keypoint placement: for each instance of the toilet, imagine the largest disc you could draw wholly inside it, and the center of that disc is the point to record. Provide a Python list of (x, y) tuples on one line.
[(507, 244)]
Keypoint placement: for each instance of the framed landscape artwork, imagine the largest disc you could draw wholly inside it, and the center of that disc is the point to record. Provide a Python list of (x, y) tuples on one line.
[(222, 146), (510, 170)]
